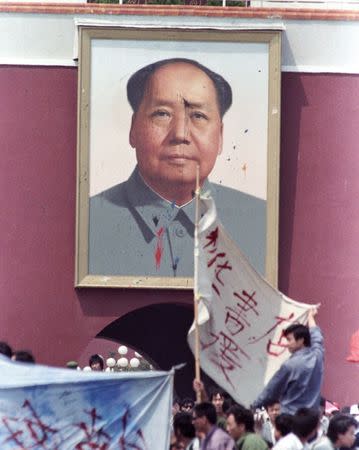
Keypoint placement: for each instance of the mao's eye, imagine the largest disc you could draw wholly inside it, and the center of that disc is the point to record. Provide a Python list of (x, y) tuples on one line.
[(160, 114), (197, 115)]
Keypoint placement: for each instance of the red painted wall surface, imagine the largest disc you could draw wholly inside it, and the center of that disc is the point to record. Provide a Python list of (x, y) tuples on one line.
[(319, 213), (319, 224)]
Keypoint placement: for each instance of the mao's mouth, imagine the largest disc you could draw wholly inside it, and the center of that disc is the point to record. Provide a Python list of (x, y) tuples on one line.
[(179, 159)]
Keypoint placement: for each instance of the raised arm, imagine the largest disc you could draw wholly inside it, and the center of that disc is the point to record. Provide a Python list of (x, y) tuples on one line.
[(316, 337), (198, 387), (311, 317)]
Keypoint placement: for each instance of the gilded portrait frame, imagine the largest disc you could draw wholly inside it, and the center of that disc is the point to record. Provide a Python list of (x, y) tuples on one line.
[(270, 41)]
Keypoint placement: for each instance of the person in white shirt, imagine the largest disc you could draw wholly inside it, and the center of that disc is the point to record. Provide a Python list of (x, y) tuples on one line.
[(283, 425), (341, 433), (305, 425)]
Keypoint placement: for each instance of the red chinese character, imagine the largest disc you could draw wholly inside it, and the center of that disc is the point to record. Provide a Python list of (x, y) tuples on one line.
[(212, 238), (219, 269), (30, 431), (277, 348), (227, 355), (214, 259), (279, 320), (234, 321), (247, 301), (127, 442), (95, 438)]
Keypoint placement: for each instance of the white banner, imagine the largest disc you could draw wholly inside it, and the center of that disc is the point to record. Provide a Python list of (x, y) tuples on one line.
[(241, 316)]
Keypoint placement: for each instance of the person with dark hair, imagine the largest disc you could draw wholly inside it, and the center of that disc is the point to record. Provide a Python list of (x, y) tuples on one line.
[(177, 125), (298, 381), (96, 363), (138, 83), (23, 356), (267, 427), (204, 419), (341, 433), (185, 432), (283, 426), (304, 427), (5, 349), (240, 425), (228, 402), (186, 405), (217, 397)]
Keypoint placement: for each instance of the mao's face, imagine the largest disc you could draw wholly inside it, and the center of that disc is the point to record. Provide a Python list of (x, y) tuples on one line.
[(176, 127)]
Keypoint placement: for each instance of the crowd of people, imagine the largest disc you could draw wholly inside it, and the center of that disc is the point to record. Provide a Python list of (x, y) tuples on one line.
[(16, 355), (289, 413), (218, 423)]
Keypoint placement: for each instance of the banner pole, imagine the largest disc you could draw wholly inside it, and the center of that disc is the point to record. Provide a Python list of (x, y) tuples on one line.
[(195, 287)]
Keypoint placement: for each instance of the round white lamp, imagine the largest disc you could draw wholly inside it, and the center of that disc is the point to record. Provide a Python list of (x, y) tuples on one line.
[(110, 362), (134, 362), (122, 362), (122, 350), (87, 369)]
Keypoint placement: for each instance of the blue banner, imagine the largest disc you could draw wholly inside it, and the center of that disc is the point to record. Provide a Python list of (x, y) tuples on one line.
[(61, 409)]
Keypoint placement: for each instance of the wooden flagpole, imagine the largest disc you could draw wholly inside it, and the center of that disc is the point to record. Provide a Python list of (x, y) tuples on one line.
[(195, 288)]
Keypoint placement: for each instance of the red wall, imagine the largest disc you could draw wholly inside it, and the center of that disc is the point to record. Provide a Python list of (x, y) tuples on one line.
[(319, 213), (319, 220)]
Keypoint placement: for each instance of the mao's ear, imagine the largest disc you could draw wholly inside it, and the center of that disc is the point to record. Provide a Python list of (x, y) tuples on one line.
[(132, 136), (221, 140)]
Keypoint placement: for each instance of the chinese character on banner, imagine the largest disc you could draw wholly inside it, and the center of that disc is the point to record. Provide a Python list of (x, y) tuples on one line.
[(29, 431)]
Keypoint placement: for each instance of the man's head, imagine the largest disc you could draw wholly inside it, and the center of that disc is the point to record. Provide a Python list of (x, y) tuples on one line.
[(273, 409), (186, 405), (217, 397), (178, 107), (5, 349), (204, 417), (305, 423), (96, 363), (183, 427), (341, 430), (239, 421), (298, 337), (283, 425), (23, 356)]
